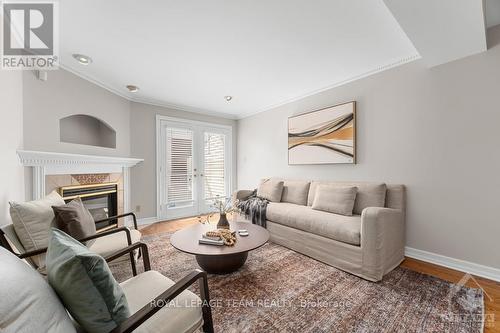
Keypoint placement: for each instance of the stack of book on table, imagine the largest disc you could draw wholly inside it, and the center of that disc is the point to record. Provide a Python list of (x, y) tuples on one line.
[(211, 240)]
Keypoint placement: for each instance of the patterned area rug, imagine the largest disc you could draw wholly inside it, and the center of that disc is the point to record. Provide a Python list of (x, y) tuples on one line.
[(279, 290)]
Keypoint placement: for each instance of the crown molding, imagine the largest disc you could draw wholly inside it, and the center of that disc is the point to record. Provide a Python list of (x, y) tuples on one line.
[(206, 112), (147, 101), (177, 107), (337, 84), (95, 81)]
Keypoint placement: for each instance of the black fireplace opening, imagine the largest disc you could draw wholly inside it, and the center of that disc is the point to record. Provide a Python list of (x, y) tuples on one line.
[(100, 199)]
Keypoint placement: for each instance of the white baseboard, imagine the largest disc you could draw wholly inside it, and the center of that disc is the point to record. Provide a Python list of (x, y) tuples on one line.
[(457, 264), (147, 220)]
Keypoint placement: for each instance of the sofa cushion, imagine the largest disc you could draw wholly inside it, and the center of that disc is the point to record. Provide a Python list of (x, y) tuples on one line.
[(32, 221), (111, 243), (341, 228), (85, 284), (270, 189), (335, 199), (184, 315), (28, 303), (395, 197), (369, 194), (75, 219), (295, 191)]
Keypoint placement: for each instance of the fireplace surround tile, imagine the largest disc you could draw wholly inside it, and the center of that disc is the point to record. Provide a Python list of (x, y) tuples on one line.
[(54, 182), (91, 178), (117, 178)]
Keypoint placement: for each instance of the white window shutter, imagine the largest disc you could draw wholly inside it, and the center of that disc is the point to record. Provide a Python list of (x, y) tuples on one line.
[(179, 167), (214, 176)]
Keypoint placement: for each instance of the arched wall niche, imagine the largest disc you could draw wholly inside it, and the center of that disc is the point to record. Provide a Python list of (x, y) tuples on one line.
[(86, 130)]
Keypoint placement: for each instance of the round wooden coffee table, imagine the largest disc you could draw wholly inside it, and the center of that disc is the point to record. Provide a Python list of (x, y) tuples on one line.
[(219, 259)]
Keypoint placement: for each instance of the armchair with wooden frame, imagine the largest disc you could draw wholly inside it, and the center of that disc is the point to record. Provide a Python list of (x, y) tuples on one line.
[(105, 242), (151, 298)]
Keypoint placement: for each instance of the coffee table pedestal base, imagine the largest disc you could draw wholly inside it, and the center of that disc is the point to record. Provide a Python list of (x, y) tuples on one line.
[(222, 264)]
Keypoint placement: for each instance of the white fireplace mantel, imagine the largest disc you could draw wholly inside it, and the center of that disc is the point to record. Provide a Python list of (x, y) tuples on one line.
[(68, 161), (49, 163)]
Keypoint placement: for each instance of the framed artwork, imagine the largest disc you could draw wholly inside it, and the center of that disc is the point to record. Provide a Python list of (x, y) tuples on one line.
[(326, 136)]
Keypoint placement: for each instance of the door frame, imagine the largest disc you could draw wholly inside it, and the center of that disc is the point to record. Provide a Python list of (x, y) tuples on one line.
[(160, 155)]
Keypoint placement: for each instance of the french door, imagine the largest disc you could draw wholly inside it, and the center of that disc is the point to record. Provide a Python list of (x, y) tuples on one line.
[(194, 166)]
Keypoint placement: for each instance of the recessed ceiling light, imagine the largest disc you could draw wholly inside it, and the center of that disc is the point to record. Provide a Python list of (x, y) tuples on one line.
[(132, 88), (82, 59), (228, 98)]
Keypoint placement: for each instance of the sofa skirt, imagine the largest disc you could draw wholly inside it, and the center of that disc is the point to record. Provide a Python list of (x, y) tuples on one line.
[(340, 255)]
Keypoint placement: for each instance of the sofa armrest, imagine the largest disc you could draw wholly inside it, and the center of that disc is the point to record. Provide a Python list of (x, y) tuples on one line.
[(241, 194), (382, 240), (116, 217), (166, 297), (130, 250)]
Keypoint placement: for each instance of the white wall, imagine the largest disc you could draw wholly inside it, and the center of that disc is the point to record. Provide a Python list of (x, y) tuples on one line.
[(65, 94), (11, 129), (143, 145), (437, 131)]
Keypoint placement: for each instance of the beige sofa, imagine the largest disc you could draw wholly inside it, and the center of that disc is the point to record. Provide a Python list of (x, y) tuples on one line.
[(368, 244)]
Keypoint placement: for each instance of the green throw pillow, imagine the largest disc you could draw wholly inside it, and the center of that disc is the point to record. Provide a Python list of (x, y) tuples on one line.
[(84, 283)]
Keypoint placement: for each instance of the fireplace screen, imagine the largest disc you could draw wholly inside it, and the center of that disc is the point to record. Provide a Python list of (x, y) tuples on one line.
[(100, 199)]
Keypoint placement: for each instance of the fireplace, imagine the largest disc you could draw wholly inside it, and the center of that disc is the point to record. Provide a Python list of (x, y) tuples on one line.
[(100, 199), (53, 171)]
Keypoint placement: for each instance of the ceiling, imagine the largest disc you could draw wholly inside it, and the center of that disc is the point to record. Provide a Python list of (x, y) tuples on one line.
[(443, 30), (190, 54)]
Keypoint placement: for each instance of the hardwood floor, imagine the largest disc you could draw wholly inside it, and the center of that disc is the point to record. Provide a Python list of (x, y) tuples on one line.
[(173, 225), (491, 288)]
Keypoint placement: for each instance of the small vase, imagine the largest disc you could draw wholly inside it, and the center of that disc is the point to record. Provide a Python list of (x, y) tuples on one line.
[(223, 222)]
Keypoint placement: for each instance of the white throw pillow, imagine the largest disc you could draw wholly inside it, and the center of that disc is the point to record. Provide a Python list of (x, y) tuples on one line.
[(32, 221), (334, 199), (28, 303), (270, 189), (295, 191)]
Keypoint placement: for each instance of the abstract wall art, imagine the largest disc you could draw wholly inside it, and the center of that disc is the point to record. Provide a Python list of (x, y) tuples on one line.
[(326, 136)]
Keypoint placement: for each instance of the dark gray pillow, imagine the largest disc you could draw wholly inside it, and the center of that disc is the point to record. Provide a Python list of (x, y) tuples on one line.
[(84, 282), (75, 220)]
